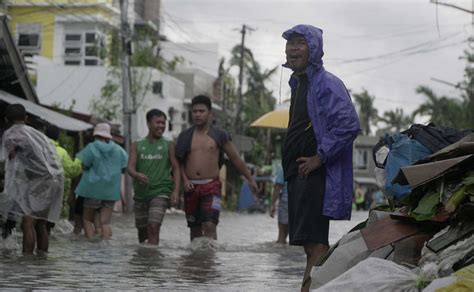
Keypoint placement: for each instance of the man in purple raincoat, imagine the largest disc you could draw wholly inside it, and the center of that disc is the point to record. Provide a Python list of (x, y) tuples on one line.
[(317, 154)]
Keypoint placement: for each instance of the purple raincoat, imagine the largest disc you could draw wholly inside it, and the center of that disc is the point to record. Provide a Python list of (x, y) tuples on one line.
[(335, 124)]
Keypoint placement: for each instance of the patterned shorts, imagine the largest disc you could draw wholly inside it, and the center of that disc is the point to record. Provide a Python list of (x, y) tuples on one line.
[(203, 203), (151, 211)]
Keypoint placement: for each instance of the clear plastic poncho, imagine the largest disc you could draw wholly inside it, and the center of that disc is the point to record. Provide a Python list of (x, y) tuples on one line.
[(34, 178)]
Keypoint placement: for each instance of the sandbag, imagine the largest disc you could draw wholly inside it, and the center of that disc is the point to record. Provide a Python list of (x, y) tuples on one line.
[(373, 274), (351, 250)]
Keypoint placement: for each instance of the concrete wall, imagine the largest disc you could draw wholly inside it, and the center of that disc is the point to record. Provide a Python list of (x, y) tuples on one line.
[(59, 84), (202, 56), (171, 102)]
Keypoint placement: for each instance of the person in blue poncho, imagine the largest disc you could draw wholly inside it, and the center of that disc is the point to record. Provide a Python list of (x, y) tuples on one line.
[(103, 162), (317, 153)]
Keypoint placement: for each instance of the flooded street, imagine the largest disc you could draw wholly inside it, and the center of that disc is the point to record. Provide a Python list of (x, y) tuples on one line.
[(243, 259)]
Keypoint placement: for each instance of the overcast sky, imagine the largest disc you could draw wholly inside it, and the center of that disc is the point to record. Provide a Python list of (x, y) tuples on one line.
[(386, 47)]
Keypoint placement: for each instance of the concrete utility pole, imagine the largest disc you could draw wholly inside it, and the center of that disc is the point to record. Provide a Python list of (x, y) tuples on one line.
[(124, 60), (238, 120)]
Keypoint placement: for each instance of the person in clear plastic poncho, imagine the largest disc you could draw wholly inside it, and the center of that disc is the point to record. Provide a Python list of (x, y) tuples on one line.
[(34, 180)]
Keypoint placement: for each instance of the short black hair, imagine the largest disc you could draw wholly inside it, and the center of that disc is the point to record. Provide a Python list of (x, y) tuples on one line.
[(15, 112), (52, 132), (202, 99), (154, 113)]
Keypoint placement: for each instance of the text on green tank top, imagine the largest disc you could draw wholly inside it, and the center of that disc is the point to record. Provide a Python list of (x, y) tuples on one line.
[(153, 160)]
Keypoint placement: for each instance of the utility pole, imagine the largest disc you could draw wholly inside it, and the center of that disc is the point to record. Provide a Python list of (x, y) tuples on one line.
[(124, 60), (238, 120)]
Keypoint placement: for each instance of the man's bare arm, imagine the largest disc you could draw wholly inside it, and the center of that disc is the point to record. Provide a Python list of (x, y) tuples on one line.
[(176, 173), (187, 184), (239, 164), (132, 165)]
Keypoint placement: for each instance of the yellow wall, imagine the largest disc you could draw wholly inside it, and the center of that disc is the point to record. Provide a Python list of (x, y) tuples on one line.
[(46, 17)]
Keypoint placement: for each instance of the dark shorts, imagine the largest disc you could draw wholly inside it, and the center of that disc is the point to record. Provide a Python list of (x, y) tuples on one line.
[(306, 223), (98, 204), (283, 209), (79, 206), (203, 203)]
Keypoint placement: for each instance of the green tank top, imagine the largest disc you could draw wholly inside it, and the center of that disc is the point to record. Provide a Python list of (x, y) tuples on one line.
[(153, 161)]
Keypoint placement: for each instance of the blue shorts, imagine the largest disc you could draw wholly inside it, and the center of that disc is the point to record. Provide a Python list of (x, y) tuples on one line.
[(283, 209)]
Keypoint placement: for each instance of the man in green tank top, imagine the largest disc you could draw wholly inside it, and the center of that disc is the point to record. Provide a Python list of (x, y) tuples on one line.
[(156, 175)]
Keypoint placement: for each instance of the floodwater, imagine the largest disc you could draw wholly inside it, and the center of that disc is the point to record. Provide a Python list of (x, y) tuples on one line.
[(243, 259)]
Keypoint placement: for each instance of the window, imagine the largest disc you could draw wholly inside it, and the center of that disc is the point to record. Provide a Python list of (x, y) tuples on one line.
[(157, 87), (361, 159), (29, 38), (84, 48)]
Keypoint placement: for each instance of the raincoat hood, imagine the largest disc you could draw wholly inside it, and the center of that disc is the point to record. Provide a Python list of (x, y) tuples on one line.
[(314, 39), (105, 149)]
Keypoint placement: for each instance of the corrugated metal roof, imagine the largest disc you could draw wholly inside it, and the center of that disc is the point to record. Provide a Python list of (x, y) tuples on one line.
[(13, 72), (61, 121)]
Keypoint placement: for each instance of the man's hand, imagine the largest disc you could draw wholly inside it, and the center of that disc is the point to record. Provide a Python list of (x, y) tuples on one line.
[(272, 211), (175, 197), (308, 164), (187, 185), (253, 187), (142, 178)]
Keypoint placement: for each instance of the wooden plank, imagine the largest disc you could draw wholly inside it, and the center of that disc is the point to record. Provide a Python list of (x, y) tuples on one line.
[(386, 231)]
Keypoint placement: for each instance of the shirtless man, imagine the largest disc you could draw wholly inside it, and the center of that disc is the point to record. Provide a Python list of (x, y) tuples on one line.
[(200, 151)]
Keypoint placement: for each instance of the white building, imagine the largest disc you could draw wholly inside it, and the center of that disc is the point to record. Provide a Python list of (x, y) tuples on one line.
[(61, 84), (198, 69)]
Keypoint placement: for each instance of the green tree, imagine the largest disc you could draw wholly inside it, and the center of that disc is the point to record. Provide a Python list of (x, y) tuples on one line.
[(368, 114), (145, 58), (447, 111), (442, 110), (228, 93), (108, 105), (467, 87), (257, 99), (396, 120)]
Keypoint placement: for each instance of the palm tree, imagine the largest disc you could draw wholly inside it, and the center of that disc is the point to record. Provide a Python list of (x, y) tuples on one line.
[(257, 99), (367, 113), (467, 85), (396, 120), (442, 110)]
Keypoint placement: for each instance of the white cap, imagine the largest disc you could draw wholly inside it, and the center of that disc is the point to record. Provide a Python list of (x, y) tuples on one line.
[(102, 130)]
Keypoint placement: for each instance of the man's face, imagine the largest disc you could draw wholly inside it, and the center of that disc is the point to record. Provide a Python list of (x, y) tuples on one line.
[(200, 114), (157, 126), (297, 53)]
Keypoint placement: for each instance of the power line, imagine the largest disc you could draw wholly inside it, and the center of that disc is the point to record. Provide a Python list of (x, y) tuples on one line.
[(384, 56), (452, 6)]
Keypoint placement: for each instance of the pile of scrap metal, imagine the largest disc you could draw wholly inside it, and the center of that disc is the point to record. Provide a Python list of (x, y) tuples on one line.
[(424, 241)]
